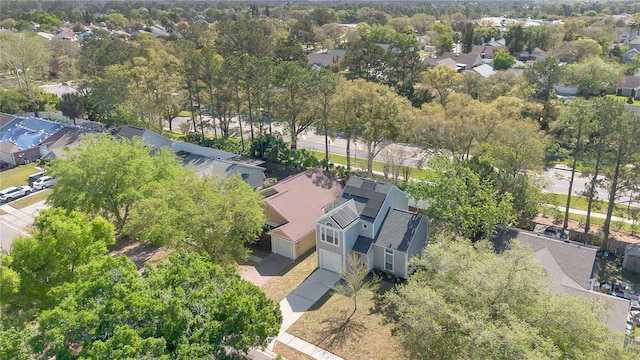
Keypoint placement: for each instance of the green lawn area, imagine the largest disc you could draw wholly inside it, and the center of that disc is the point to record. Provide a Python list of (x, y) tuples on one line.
[(279, 287), (367, 336), (362, 164), (34, 198), (17, 176), (184, 113), (623, 99), (580, 203), (568, 162)]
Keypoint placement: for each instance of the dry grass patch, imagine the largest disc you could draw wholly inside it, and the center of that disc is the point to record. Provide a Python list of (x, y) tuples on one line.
[(32, 199), (279, 287), (160, 255), (2, 212), (244, 266), (366, 336), (289, 353)]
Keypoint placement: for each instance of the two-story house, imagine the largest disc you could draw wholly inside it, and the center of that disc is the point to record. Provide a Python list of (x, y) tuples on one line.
[(371, 219)]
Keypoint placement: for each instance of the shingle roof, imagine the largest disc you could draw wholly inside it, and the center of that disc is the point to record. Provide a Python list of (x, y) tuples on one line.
[(629, 82), (362, 244), (575, 260), (30, 132), (368, 195), (398, 229), (301, 199), (206, 166), (130, 132)]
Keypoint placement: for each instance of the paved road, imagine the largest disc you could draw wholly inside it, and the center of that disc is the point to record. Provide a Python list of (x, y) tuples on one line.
[(556, 180)]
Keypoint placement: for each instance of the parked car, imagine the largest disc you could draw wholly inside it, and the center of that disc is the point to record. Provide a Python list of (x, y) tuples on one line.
[(44, 182), (14, 192)]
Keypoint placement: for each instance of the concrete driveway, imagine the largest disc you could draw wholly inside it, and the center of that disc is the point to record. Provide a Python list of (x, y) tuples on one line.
[(305, 295), (16, 222)]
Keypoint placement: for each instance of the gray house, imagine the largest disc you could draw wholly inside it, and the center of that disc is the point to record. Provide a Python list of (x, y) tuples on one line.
[(372, 220)]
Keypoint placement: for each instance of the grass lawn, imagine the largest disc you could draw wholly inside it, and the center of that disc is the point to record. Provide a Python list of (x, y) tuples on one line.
[(623, 99), (279, 287), (289, 353), (17, 176), (34, 198), (184, 113), (362, 164), (568, 162), (580, 203), (366, 336)]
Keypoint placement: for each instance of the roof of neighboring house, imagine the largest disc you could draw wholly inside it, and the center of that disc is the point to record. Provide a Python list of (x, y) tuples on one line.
[(632, 249), (485, 70), (337, 52), (321, 59), (635, 41), (538, 52), (301, 199), (69, 140), (206, 166), (149, 137), (576, 260), (5, 119), (66, 33), (398, 229), (8, 148), (618, 308), (368, 196), (629, 82), (29, 132), (469, 59)]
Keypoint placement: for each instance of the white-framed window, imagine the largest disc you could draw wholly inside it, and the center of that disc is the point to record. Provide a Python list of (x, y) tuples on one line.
[(388, 259), (365, 226), (329, 235)]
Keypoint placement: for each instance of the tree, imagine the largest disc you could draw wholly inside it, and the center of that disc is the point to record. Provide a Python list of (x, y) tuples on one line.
[(445, 45), (544, 76), (72, 106), (326, 82), (623, 142), (593, 76), (294, 80), (344, 114), (467, 38), (502, 60), (60, 244), (451, 309), (514, 38), (353, 281), (572, 125), (443, 79), (577, 51), (26, 58), (462, 202), (187, 308), (364, 59), (107, 176), (214, 217)]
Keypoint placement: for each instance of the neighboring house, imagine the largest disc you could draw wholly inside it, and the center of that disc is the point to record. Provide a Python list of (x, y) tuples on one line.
[(372, 220), (631, 259), (629, 55), (323, 60), (159, 31), (206, 166), (629, 86), (203, 160), (65, 34), (292, 207), (485, 70), (566, 90), (536, 54), (21, 139), (461, 61), (570, 269), (58, 148), (86, 35)]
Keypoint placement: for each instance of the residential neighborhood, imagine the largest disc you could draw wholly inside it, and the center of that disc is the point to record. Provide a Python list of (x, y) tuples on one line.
[(231, 180)]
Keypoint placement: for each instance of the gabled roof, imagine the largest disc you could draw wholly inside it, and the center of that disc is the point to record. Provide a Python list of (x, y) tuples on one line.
[(206, 166), (485, 70), (70, 139), (301, 199), (629, 82), (343, 215), (30, 132), (576, 260), (455, 58), (398, 229), (368, 196)]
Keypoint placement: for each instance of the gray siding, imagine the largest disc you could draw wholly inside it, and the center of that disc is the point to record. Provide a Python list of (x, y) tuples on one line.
[(419, 240), (399, 263)]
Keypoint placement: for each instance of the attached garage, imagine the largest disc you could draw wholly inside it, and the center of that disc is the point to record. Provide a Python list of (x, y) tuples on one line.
[(282, 246), (330, 261)]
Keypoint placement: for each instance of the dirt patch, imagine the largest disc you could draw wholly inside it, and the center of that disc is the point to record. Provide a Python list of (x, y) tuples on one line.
[(137, 252), (289, 353), (617, 239)]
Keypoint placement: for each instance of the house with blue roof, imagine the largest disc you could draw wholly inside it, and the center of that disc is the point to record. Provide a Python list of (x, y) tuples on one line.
[(21, 139)]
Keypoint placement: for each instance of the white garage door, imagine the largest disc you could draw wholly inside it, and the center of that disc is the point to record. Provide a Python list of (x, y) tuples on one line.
[(330, 261), (281, 246)]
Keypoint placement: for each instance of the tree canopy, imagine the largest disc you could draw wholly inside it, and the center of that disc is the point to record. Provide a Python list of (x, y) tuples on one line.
[(467, 302)]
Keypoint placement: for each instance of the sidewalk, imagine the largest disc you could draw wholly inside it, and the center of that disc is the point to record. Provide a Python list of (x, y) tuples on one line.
[(594, 215)]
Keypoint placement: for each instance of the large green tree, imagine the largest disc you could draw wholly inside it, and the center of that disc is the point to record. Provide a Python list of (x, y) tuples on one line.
[(186, 308), (451, 309), (60, 244), (460, 201), (107, 176)]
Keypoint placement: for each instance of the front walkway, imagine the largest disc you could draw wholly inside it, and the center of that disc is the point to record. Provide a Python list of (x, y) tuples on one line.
[(306, 348)]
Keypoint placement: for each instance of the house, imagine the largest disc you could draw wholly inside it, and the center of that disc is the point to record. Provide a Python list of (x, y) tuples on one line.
[(570, 268), (65, 34), (85, 35), (460, 61), (21, 139), (203, 160), (629, 86), (535, 54), (485, 70), (323, 60), (635, 44), (370, 219), (629, 55), (58, 147), (292, 207), (206, 166), (159, 31)]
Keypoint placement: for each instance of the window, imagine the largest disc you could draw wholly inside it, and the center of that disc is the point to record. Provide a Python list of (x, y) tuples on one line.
[(329, 235), (388, 259), (365, 226)]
